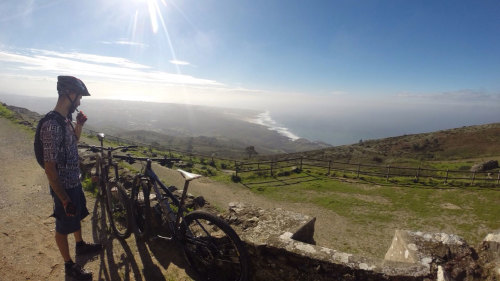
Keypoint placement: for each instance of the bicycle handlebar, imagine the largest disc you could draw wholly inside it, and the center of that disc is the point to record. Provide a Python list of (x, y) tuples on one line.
[(131, 159), (94, 148)]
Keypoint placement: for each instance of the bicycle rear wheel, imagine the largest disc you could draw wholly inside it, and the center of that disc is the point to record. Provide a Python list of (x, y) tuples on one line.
[(213, 249), (98, 177), (141, 210), (119, 210)]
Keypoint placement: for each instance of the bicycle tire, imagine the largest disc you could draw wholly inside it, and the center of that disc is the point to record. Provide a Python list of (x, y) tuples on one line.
[(141, 209), (118, 210), (100, 177), (213, 249)]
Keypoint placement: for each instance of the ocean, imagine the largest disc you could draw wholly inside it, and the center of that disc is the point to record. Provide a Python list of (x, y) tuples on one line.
[(351, 127)]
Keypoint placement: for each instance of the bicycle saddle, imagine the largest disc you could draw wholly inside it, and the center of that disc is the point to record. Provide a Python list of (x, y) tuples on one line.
[(188, 176)]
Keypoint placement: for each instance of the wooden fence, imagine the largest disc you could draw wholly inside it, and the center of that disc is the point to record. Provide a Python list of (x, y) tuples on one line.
[(159, 147), (276, 168)]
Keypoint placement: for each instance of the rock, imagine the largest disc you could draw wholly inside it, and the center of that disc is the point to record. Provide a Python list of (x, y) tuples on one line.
[(485, 166), (459, 261), (489, 253), (199, 202), (265, 223)]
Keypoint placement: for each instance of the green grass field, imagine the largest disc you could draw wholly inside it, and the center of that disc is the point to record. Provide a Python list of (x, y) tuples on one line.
[(470, 212)]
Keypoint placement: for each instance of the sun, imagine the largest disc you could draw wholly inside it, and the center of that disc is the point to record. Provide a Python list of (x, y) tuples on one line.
[(156, 11)]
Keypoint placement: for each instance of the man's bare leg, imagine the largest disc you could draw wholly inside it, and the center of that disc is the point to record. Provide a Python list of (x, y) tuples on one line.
[(78, 236), (62, 244)]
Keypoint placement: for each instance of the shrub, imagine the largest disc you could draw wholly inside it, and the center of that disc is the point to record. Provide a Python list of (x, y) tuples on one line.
[(88, 186), (235, 178), (284, 174)]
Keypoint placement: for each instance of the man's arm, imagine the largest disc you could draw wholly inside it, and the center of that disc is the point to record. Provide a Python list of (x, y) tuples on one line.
[(80, 120), (53, 177), (78, 130)]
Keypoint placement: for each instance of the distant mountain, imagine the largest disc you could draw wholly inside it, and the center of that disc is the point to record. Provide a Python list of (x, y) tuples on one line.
[(200, 129), (470, 142)]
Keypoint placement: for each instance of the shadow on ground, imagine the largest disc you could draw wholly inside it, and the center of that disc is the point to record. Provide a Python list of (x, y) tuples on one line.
[(132, 259)]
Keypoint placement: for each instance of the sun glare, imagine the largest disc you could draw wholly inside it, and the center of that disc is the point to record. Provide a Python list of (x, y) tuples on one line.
[(156, 10)]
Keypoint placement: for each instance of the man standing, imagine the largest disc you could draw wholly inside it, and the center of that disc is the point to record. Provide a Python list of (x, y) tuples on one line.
[(61, 165)]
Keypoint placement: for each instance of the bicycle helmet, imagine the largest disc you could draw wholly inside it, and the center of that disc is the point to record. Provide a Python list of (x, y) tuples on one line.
[(70, 84)]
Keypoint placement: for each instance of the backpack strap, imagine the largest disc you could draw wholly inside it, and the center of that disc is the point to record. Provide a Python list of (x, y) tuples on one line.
[(62, 122)]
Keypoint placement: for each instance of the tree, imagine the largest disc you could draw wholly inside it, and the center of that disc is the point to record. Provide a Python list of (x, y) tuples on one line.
[(250, 150)]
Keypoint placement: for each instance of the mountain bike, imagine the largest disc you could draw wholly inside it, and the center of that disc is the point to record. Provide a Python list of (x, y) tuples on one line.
[(110, 189), (211, 246)]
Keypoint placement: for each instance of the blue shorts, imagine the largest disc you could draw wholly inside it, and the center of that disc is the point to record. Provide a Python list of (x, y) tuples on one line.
[(66, 224)]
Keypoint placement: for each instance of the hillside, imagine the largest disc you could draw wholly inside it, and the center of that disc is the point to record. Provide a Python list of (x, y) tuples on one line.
[(199, 129), (481, 141)]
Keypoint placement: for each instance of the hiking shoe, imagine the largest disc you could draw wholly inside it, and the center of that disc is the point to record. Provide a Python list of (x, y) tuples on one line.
[(84, 248), (76, 271)]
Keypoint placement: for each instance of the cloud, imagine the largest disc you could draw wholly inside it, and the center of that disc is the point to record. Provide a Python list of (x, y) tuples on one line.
[(125, 42), (461, 96), (93, 66), (179, 62)]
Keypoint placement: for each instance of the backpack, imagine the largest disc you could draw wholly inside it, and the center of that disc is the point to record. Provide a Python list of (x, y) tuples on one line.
[(38, 145)]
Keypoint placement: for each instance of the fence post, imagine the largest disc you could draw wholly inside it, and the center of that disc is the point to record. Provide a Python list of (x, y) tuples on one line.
[(236, 168), (272, 168), (498, 178), (418, 174), (301, 157), (357, 172), (473, 177), (388, 171), (329, 166), (446, 179)]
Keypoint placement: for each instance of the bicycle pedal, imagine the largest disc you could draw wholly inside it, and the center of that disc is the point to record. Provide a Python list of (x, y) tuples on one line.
[(157, 237)]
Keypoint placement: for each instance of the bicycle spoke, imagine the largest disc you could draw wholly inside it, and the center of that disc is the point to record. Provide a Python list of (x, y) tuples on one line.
[(212, 250), (119, 210)]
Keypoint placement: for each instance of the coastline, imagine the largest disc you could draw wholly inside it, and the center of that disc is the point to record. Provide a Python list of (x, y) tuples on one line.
[(265, 119)]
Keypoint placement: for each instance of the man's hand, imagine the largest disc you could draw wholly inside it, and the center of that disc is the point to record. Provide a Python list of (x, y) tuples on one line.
[(69, 208), (81, 118)]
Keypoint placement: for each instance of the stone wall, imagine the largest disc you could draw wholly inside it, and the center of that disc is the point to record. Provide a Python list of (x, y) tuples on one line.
[(279, 245)]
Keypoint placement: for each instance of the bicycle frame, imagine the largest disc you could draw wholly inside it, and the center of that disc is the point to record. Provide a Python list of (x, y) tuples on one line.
[(165, 207), (210, 245), (104, 162)]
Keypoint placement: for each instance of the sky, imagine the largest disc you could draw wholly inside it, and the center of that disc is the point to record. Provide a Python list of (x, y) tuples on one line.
[(307, 60)]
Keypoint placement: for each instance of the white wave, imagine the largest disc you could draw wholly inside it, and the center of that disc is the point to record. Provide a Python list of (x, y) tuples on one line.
[(266, 120)]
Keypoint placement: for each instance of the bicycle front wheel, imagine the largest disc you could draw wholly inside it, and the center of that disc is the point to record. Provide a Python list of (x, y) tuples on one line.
[(141, 210), (119, 210), (213, 249)]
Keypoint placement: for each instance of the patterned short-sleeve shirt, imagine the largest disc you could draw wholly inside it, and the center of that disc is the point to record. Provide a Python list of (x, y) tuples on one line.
[(66, 157)]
